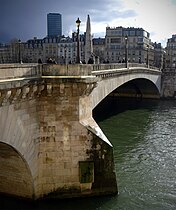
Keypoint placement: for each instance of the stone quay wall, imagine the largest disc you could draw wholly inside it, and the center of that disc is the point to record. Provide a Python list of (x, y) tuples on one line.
[(168, 83)]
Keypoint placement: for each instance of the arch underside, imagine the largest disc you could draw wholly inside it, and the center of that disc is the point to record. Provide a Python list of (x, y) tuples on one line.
[(15, 176), (129, 86), (137, 88)]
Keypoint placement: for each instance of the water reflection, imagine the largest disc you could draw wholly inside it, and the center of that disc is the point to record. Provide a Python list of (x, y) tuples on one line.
[(104, 202)]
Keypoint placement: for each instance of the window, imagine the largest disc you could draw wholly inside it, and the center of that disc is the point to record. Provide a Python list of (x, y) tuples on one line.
[(132, 33), (116, 40), (139, 33), (113, 47), (140, 39), (125, 33)]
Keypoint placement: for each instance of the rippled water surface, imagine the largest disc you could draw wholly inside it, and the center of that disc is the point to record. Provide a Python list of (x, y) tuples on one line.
[(145, 156), (144, 141)]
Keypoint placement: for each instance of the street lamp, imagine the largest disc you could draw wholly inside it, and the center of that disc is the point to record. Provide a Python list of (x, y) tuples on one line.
[(65, 54), (78, 54), (19, 52), (147, 56), (126, 51)]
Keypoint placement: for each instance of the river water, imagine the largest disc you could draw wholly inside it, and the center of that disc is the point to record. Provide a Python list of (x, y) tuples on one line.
[(144, 140)]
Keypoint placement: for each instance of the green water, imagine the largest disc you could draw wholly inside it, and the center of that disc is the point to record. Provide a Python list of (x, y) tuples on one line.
[(144, 140), (145, 156)]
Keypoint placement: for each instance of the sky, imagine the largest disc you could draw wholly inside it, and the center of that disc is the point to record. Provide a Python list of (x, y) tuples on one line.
[(25, 19)]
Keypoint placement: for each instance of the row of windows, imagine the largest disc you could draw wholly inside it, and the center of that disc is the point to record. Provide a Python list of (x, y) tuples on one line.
[(171, 46), (122, 40), (122, 47), (122, 53), (127, 33), (33, 45)]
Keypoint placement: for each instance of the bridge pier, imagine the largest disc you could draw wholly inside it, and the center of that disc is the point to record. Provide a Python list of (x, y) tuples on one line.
[(75, 158), (61, 150)]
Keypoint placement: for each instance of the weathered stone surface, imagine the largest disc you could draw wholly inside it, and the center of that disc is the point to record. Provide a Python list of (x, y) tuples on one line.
[(47, 133), (47, 123), (15, 176), (168, 83)]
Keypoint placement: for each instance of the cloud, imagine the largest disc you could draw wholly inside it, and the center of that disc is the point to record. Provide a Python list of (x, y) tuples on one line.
[(25, 19), (156, 16), (98, 16)]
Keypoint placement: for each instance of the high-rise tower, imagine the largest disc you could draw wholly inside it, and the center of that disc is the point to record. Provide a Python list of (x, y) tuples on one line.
[(88, 41), (54, 24)]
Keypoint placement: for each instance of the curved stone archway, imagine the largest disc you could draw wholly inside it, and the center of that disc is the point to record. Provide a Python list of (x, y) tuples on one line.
[(142, 88), (106, 86), (15, 176)]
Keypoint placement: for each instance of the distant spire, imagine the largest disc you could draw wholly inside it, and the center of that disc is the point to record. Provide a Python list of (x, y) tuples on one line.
[(88, 28), (88, 41)]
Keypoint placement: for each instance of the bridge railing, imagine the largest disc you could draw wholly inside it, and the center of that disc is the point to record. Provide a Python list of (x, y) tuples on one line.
[(98, 67), (85, 69), (13, 71), (67, 70), (112, 70)]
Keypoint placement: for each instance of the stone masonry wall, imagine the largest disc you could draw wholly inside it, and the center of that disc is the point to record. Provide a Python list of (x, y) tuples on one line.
[(18, 129), (168, 89), (66, 144)]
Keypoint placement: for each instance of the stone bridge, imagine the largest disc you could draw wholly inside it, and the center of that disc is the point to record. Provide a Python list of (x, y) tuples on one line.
[(50, 145)]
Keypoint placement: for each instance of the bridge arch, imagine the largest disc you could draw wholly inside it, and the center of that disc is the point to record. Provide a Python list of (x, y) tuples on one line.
[(137, 88), (16, 178), (106, 86), (17, 130)]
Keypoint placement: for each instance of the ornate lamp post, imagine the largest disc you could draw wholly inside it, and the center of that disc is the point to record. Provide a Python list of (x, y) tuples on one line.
[(126, 51), (19, 52), (147, 56), (78, 53), (65, 54)]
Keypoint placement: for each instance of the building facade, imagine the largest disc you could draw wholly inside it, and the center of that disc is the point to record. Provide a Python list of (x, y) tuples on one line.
[(159, 55), (136, 40), (99, 48), (118, 46), (169, 72), (32, 50), (5, 55), (54, 24), (171, 52)]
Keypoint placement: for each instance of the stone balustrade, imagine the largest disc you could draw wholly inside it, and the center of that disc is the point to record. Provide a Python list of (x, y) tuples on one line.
[(13, 71)]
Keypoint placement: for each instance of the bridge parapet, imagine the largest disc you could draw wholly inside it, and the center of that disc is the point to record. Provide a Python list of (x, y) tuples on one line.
[(66, 70), (12, 71), (117, 70), (26, 71), (98, 67)]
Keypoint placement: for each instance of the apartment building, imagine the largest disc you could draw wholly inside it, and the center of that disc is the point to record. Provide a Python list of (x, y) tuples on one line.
[(171, 52), (135, 40), (5, 56), (32, 50), (99, 48)]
